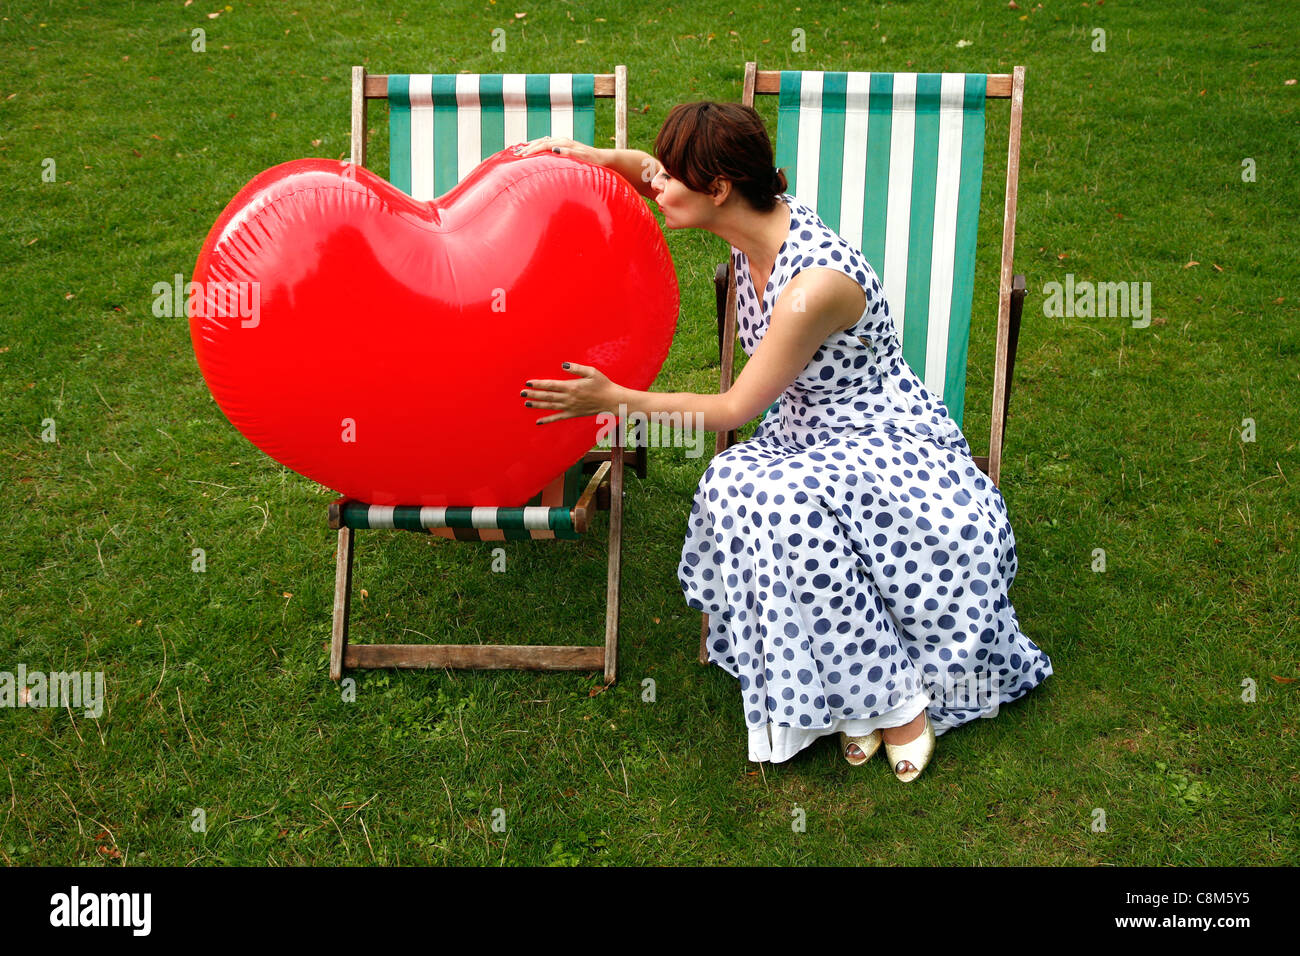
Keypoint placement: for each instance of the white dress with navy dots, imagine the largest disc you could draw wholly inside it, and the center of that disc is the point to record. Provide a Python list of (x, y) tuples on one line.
[(853, 559)]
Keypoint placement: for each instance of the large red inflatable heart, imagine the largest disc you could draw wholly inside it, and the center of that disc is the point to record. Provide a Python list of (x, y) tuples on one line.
[(378, 344)]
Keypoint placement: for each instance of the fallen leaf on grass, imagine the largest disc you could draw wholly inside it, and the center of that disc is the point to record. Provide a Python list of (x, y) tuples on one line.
[(1283, 680)]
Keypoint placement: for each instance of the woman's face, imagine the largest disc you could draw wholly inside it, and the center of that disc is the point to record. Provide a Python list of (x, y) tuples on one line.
[(681, 206)]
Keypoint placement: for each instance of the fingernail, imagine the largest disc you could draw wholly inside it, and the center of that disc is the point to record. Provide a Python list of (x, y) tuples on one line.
[(523, 394), (564, 365), (528, 404), (555, 149), (528, 384)]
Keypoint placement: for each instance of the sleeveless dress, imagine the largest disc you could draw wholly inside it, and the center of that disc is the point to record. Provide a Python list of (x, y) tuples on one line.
[(853, 559)]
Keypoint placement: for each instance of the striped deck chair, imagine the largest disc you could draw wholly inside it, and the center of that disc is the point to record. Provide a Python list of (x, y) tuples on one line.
[(440, 128), (894, 163)]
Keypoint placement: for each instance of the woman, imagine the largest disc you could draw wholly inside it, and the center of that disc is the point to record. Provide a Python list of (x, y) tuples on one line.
[(853, 559)]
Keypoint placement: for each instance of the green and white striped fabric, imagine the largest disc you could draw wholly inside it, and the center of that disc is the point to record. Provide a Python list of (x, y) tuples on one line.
[(548, 514), (893, 162), (440, 126)]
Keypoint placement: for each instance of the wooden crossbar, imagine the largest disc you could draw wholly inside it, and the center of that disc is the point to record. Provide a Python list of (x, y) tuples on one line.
[(1000, 85), (376, 85), (476, 656)]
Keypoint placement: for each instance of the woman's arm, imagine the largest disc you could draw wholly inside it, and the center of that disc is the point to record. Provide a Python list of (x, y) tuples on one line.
[(636, 167), (811, 308)]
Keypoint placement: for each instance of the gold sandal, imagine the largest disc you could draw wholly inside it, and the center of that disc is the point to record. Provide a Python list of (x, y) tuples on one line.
[(868, 745), (914, 754)]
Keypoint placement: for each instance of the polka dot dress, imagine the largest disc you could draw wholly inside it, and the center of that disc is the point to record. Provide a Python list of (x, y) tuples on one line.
[(853, 559)]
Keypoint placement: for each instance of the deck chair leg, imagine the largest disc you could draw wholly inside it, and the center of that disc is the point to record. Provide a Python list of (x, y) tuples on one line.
[(721, 284), (615, 561), (1017, 309), (342, 603), (1004, 364), (704, 637)]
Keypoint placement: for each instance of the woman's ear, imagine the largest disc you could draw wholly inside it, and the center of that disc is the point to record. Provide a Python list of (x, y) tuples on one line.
[(719, 190)]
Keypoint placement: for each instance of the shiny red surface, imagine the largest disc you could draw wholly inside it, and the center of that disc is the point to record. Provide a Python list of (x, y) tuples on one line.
[(420, 321)]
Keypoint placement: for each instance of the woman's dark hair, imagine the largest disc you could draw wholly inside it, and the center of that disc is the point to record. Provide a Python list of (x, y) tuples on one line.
[(700, 142)]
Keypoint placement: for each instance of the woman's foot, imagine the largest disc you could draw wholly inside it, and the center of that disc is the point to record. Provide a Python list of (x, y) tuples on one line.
[(905, 733), (910, 749), (858, 750)]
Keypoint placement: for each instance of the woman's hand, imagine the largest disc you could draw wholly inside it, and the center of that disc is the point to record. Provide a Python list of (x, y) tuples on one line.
[(588, 394), (563, 147)]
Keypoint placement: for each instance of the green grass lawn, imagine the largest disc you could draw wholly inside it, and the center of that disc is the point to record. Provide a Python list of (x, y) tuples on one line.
[(219, 707)]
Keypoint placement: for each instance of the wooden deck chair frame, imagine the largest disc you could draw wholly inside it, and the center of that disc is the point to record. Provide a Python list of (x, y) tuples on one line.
[(1011, 291), (601, 489)]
